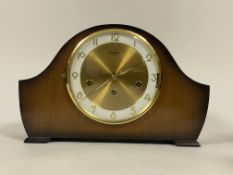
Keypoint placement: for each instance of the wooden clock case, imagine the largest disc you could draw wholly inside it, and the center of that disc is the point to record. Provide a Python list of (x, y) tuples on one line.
[(48, 112)]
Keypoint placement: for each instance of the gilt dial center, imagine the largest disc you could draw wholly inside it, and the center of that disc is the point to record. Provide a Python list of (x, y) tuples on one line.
[(124, 68)]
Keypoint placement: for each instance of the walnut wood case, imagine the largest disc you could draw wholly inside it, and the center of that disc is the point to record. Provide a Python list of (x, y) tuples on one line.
[(48, 112)]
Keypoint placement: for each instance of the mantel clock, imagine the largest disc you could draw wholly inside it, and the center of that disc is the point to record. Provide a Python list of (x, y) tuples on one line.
[(113, 83)]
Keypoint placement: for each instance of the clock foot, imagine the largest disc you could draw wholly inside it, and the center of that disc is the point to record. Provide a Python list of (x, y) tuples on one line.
[(37, 140), (189, 143)]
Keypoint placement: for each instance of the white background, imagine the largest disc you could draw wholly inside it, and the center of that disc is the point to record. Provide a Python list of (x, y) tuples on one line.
[(198, 33)]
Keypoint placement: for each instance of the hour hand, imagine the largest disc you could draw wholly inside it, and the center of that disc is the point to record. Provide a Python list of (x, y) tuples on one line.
[(97, 88)]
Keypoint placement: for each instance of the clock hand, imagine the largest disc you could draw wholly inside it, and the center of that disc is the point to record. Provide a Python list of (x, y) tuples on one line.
[(97, 88), (120, 73), (103, 84), (129, 69)]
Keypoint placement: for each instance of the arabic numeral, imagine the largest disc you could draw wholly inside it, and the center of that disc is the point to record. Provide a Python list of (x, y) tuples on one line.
[(93, 108), (148, 57), (133, 110), (80, 95), (115, 36), (147, 97), (81, 55), (74, 75), (154, 77), (113, 115), (95, 41)]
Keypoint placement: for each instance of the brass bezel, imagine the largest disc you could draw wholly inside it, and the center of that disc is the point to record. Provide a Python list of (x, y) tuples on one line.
[(72, 96)]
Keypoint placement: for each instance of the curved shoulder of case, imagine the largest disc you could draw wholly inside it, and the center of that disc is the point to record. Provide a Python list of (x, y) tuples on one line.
[(178, 114)]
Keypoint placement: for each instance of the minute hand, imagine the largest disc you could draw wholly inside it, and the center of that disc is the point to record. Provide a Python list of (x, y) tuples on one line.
[(129, 69)]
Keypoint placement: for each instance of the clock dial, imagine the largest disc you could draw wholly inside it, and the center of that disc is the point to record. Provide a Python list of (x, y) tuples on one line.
[(113, 76)]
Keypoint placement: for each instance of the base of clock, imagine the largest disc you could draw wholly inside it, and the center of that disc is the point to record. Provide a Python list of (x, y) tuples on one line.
[(37, 140), (48, 139), (187, 143)]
